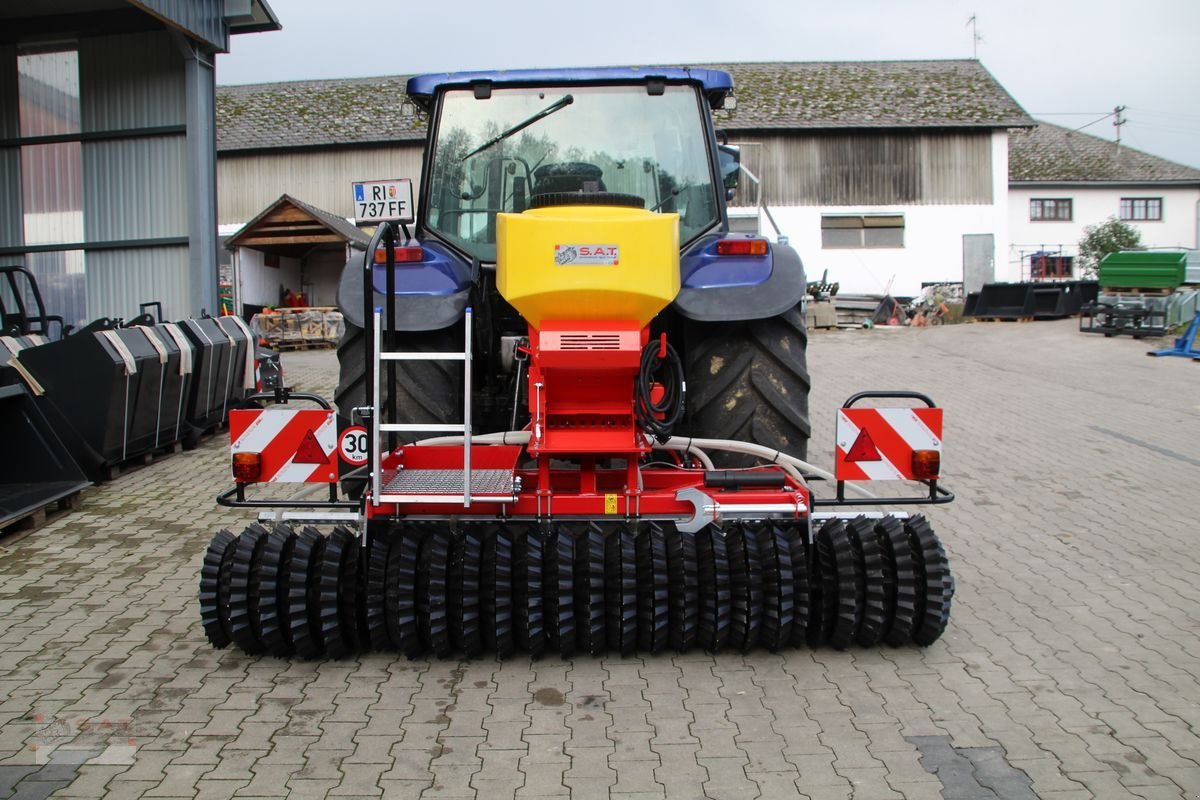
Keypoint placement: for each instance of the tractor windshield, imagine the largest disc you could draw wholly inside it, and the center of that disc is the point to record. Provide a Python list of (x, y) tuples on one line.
[(496, 154)]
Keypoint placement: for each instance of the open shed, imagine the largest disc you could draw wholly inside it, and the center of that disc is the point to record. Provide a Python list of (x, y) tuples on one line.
[(291, 246)]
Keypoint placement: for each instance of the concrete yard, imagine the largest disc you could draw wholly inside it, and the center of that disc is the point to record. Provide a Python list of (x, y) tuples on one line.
[(1071, 667)]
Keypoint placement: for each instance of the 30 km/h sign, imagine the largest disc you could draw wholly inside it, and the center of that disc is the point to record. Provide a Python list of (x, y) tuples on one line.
[(379, 201), (352, 445)]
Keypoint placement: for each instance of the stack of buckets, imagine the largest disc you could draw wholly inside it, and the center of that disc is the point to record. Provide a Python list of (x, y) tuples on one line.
[(73, 410)]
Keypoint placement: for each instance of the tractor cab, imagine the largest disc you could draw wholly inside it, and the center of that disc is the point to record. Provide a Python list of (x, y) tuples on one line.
[(510, 142)]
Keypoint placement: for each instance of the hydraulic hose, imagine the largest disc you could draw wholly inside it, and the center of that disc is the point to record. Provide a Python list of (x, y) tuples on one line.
[(696, 447), (660, 366)]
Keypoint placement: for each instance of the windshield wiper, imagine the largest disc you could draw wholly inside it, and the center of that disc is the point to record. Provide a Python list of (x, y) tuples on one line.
[(557, 105)]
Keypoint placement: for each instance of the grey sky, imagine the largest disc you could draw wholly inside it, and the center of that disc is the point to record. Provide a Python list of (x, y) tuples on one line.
[(1053, 56)]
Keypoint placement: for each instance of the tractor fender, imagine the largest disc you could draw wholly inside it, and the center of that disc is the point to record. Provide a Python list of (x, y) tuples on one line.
[(430, 295), (783, 288)]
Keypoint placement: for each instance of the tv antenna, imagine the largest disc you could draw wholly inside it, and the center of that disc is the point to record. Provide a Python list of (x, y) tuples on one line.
[(976, 37)]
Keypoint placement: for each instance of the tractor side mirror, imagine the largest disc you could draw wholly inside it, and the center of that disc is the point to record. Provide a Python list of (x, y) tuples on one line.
[(731, 161)]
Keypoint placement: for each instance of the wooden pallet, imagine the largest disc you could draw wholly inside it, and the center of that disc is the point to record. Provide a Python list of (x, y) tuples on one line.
[(30, 521), (1154, 291), (113, 471), (289, 346)]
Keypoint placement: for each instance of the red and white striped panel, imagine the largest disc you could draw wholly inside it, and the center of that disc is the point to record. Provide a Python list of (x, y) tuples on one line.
[(884, 453), (282, 437)]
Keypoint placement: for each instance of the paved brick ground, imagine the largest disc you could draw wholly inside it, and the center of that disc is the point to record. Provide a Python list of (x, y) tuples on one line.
[(1071, 667)]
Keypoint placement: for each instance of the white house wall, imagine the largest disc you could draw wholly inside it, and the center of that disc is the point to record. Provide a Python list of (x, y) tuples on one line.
[(1091, 206), (258, 283), (933, 238)]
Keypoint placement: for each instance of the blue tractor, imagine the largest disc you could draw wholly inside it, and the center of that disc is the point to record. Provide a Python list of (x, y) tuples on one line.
[(513, 140)]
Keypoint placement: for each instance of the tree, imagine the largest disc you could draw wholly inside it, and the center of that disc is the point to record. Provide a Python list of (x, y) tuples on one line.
[(1110, 236)]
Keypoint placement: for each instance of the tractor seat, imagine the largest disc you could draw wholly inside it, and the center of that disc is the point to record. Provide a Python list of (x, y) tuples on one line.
[(570, 176)]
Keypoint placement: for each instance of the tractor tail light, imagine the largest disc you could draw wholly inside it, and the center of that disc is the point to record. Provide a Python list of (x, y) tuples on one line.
[(401, 255), (926, 464), (742, 247), (247, 467)]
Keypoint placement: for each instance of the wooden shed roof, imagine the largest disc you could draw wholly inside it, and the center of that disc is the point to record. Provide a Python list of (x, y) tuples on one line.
[(289, 224)]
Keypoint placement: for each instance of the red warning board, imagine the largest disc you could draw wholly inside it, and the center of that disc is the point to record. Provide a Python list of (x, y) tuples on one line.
[(877, 444), (296, 446)]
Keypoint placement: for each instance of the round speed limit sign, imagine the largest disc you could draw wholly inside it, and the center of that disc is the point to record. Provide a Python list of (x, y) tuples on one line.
[(352, 445)]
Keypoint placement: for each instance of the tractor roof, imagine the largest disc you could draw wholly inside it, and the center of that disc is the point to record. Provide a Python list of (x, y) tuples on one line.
[(715, 83)]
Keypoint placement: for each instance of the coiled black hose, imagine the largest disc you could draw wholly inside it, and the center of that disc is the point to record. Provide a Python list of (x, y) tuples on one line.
[(659, 419)]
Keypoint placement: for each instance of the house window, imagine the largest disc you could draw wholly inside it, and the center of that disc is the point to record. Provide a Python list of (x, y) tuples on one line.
[(1141, 209), (858, 231), (1057, 210), (1043, 266)]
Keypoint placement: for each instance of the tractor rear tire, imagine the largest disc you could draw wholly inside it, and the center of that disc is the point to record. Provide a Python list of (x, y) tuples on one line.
[(426, 391), (748, 381)]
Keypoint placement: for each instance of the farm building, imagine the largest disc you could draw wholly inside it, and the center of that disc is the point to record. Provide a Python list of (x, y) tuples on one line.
[(886, 174), (1061, 181), (107, 149)]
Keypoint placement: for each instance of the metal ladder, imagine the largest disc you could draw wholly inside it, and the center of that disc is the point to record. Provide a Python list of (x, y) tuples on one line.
[(389, 494)]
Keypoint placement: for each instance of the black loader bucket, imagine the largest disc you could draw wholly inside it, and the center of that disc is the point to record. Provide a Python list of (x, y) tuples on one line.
[(221, 380), (106, 391), (176, 381), (37, 469), (163, 354)]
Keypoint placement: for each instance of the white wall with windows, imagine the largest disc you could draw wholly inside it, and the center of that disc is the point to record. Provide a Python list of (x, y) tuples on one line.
[(1031, 231), (896, 248)]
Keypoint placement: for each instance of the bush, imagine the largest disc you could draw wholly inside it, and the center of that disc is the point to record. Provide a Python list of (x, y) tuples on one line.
[(1110, 236)]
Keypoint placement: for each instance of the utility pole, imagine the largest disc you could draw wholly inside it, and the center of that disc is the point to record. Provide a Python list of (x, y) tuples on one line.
[(975, 38), (1118, 121)]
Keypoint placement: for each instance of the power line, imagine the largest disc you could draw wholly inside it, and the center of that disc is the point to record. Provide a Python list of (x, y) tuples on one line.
[(1093, 122), (1165, 113), (1167, 128)]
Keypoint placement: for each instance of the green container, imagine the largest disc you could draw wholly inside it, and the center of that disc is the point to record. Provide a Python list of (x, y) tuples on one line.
[(1142, 270)]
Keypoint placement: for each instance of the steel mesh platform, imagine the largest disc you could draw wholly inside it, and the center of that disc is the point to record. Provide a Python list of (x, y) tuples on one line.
[(447, 481)]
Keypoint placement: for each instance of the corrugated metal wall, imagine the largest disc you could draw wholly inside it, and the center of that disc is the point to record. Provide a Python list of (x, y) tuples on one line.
[(10, 157), (132, 81), (204, 18), (867, 168), (117, 280), (246, 184), (10, 197), (134, 188)]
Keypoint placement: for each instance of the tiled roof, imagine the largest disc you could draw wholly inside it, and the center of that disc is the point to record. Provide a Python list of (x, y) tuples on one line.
[(779, 96), (869, 94), (1051, 154), (295, 114)]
